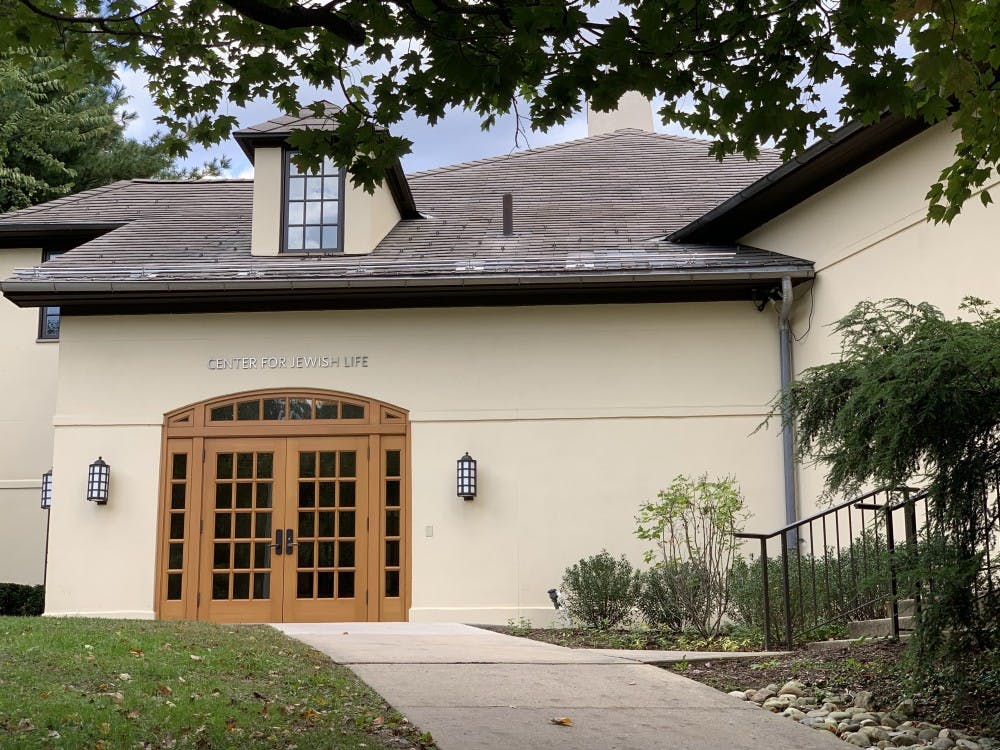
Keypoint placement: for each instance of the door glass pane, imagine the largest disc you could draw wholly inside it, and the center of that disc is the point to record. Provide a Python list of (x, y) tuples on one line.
[(274, 408), (221, 557), (324, 585), (244, 465), (242, 525), (307, 495), (262, 555), (352, 411), (307, 524), (263, 494), (392, 463), (244, 495), (347, 494), (220, 585), (392, 583), (180, 466), (348, 463), (224, 466), (326, 410), (305, 585), (345, 584), (326, 554), (223, 496), (176, 561), (241, 585), (248, 410), (306, 550), (265, 465), (326, 524), (174, 586), (327, 464), (345, 557), (261, 585), (392, 523), (326, 493), (392, 553), (222, 413), (241, 555), (347, 523), (176, 525), (392, 492), (177, 492), (300, 408), (307, 464), (262, 528), (223, 526)]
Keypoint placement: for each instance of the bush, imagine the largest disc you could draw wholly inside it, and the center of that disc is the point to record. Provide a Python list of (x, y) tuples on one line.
[(657, 602), (19, 600), (692, 524), (600, 591)]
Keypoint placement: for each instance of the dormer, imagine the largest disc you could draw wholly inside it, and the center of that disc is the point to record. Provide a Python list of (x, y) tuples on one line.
[(297, 212)]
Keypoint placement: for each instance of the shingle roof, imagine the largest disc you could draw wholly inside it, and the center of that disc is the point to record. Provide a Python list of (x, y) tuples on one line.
[(586, 210), (285, 124)]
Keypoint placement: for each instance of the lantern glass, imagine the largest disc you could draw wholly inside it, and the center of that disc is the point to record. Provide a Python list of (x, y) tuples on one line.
[(467, 477), (98, 481), (47, 490)]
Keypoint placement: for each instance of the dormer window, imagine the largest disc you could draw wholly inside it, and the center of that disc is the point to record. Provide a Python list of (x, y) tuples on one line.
[(314, 209)]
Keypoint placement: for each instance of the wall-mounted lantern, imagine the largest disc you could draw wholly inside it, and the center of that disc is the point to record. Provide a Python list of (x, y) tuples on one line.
[(47, 490), (467, 477), (98, 481)]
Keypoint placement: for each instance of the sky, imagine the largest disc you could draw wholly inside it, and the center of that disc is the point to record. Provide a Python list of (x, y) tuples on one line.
[(456, 138)]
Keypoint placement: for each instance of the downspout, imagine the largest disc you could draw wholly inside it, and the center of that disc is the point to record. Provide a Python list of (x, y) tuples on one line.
[(787, 447)]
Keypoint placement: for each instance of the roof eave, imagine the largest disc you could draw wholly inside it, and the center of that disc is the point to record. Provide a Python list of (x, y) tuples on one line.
[(846, 150), (381, 292)]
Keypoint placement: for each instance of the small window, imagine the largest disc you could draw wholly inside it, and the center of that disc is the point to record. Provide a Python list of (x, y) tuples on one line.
[(48, 317), (313, 216)]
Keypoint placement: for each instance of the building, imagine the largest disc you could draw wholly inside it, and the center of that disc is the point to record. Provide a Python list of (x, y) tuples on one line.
[(282, 373)]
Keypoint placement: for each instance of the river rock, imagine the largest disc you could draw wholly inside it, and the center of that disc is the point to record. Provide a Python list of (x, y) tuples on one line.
[(742, 695), (857, 739), (762, 695), (793, 687), (967, 745), (943, 743), (863, 700)]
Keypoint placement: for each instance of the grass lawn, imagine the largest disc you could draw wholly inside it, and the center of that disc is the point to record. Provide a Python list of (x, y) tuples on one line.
[(109, 684)]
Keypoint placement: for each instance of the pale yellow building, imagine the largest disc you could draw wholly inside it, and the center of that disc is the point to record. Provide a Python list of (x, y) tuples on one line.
[(283, 374)]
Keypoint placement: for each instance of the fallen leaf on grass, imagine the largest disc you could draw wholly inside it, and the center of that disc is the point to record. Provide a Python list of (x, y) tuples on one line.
[(124, 677), (230, 724), (25, 724), (164, 690), (132, 715), (562, 721), (195, 657), (379, 721), (105, 728), (135, 651)]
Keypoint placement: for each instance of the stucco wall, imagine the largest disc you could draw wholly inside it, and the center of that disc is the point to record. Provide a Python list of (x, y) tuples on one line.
[(28, 382), (575, 414), (869, 239)]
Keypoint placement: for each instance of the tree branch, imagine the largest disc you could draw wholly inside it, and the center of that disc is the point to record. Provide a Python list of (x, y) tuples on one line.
[(300, 17)]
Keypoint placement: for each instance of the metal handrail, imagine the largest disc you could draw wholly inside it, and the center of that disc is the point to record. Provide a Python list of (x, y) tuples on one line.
[(842, 517)]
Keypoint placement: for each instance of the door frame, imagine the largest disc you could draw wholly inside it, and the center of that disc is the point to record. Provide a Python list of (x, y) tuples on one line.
[(386, 427)]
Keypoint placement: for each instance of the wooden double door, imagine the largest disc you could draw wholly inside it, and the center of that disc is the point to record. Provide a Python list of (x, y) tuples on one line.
[(283, 528)]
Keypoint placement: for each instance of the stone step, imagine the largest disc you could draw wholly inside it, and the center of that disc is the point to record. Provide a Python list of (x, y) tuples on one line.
[(907, 608), (877, 628)]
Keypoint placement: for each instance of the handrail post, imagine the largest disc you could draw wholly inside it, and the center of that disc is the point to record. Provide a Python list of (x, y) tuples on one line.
[(767, 594), (787, 589), (893, 587)]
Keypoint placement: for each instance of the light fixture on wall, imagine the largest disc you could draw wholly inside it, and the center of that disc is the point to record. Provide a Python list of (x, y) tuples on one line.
[(98, 481), (467, 477), (47, 490)]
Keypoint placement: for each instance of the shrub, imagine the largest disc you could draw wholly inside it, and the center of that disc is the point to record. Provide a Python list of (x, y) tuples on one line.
[(657, 602), (19, 600), (600, 591), (692, 523)]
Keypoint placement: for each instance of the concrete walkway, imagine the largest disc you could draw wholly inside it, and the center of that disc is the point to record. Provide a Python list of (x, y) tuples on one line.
[(473, 689)]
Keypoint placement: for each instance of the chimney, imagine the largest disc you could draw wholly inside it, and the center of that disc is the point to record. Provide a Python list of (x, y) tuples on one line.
[(508, 214), (633, 111)]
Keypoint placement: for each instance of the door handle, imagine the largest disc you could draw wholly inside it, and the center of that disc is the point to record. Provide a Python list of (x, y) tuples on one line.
[(277, 542), (290, 541)]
